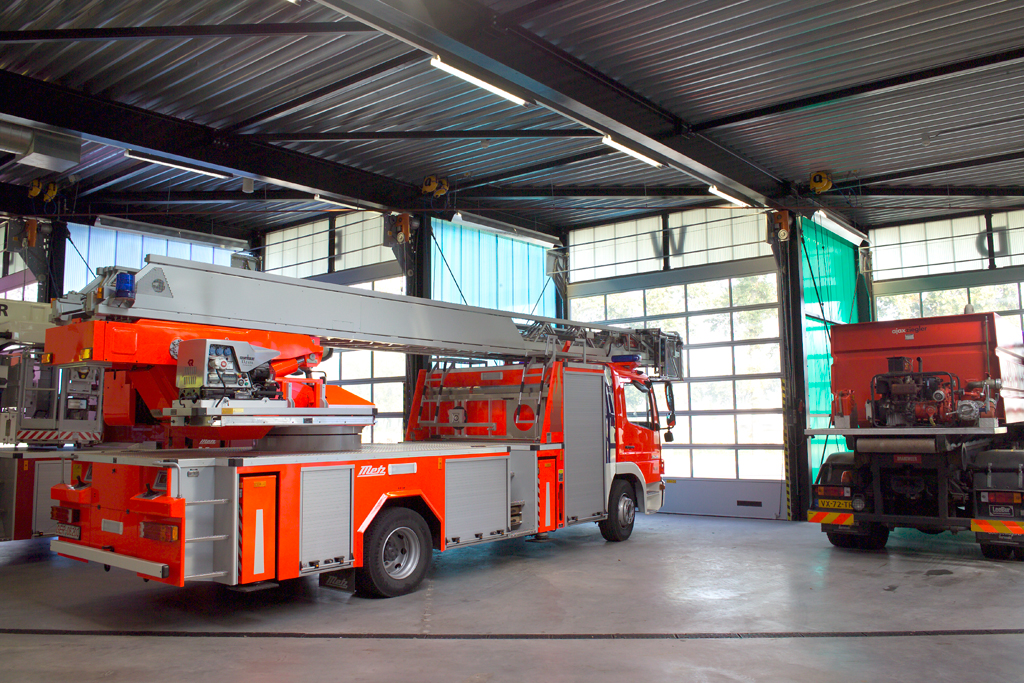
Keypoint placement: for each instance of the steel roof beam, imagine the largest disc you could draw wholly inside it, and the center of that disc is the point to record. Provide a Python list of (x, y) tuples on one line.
[(304, 101), (936, 191), (871, 87), (423, 135), (924, 170), (121, 125), (474, 38), (544, 192), (942, 217), (203, 197), (535, 168), (163, 32)]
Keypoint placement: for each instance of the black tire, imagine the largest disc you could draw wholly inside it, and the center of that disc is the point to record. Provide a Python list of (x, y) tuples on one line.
[(996, 552), (621, 512), (396, 554), (1018, 553), (875, 540), (840, 540)]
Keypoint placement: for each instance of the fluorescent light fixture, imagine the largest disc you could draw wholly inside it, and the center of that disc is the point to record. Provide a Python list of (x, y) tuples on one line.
[(325, 200), (851, 235), (729, 198), (184, 166), (436, 62), (139, 227), (607, 139)]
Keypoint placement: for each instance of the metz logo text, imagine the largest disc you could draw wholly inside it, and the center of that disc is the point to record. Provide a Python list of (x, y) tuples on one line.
[(371, 471)]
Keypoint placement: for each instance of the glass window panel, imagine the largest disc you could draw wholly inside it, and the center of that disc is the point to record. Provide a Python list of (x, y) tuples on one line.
[(946, 302), (388, 364), (626, 305), (360, 390), (758, 393), (701, 296), (715, 362), (682, 396), (588, 309), (760, 324), (712, 395), (761, 465), (387, 396), (355, 365), (666, 300), (330, 367), (754, 359), (759, 289), (1005, 297), (670, 325), (705, 329), (713, 429), (898, 307), (387, 430), (677, 462), (714, 464), (759, 428)]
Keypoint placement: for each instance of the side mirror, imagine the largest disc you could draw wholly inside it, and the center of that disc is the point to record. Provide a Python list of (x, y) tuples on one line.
[(670, 398), (669, 438)]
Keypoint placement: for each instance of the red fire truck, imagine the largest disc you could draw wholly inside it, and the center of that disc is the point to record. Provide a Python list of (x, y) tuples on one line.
[(931, 411), (563, 429)]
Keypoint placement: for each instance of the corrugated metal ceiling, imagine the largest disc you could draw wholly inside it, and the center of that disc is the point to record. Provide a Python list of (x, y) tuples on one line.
[(700, 60)]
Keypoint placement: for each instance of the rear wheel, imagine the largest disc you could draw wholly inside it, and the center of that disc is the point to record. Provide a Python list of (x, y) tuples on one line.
[(396, 554), (621, 512), (876, 538), (839, 539), (996, 552)]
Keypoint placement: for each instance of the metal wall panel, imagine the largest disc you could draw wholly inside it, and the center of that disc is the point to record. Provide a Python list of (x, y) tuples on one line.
[(326, 530), (477, 499), (586, 448)]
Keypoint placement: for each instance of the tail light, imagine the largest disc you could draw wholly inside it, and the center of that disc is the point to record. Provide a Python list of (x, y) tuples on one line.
[(834, 491), (847, 477), (1000, 497), (158, 532), (64, 515)]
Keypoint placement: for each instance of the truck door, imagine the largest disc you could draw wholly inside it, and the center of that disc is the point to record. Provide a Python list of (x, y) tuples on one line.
[(586, 445), (257, 501), (637, 428)]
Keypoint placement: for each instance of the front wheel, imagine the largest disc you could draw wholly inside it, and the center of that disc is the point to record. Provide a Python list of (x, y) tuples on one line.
[(621, 512), (396, 554)]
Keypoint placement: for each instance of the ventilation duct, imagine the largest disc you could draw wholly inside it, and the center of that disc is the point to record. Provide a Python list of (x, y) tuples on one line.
[(35, 148)]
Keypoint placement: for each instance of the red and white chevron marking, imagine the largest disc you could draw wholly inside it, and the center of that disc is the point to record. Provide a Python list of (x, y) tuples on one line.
[(53, 435)]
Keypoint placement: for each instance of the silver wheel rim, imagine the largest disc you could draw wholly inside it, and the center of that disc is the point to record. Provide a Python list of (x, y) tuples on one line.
[(627, 510), (401, 553)]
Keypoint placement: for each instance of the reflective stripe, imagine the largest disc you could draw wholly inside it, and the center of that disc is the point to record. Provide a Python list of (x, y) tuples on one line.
[(995, 526), (843, 518)]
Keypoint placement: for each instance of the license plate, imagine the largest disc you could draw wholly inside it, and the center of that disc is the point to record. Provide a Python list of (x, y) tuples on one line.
[(69, 531), (834, 504)]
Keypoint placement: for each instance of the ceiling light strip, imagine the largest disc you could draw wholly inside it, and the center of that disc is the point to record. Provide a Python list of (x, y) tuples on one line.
[(607, 139), (325, 200), (437, 63), (180, 165), (727, 197)]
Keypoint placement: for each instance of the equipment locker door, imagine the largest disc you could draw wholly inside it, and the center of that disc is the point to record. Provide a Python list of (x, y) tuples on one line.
[(257, 500), (586, 445)]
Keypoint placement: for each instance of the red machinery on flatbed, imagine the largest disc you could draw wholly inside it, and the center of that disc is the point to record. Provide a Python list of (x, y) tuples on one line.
[(564, 431), (931, 410)]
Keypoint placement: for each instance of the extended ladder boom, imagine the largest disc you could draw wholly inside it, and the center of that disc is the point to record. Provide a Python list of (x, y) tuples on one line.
[(176, 290)]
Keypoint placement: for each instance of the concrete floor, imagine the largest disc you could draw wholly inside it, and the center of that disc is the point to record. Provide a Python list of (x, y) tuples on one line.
[(686, 599)]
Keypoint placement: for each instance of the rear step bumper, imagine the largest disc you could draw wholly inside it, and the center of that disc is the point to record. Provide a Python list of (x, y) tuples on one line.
[(132, 564)]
